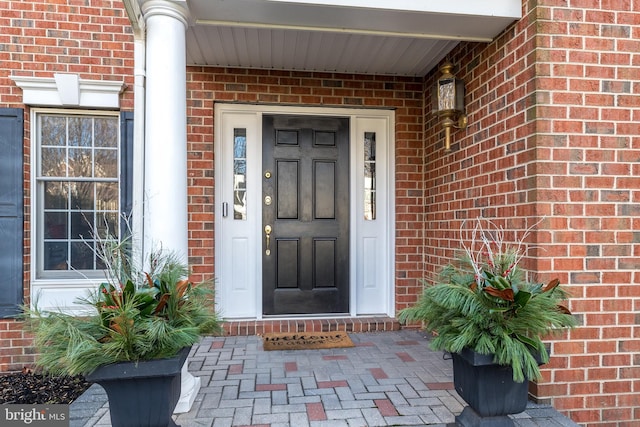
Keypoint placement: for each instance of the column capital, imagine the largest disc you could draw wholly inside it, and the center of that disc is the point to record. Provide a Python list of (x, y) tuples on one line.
[(176, 9)]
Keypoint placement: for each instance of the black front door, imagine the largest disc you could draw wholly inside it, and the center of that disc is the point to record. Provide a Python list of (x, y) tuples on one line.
[(305, 220)]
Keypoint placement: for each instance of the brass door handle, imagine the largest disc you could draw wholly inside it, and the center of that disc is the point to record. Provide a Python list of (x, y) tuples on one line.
[(267, 232)]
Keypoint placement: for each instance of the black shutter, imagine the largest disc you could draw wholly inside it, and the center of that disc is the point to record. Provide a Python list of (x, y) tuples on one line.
[(11, 211), (126, 164)]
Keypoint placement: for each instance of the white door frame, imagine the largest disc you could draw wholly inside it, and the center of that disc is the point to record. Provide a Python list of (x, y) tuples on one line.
[(238, 257)]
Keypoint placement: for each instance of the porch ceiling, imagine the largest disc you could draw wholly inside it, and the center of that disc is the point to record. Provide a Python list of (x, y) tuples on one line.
[(398, 37)]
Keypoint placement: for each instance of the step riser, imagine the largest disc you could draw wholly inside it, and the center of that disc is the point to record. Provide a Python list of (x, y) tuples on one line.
[(359, 324)]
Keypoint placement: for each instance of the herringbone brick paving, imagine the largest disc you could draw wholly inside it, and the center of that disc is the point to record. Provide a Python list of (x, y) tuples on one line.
[(387, 379)]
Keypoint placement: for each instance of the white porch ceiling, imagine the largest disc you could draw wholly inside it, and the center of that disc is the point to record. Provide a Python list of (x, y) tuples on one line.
[(398, 37)]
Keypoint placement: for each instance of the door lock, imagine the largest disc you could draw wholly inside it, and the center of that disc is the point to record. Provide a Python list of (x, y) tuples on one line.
[(267, 232)]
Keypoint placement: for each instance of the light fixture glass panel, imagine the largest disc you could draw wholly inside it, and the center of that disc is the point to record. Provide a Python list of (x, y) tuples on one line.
[(446, 95)]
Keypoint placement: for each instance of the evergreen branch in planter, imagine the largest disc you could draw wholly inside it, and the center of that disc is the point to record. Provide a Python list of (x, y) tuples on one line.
[(136, 316), (482, 301)]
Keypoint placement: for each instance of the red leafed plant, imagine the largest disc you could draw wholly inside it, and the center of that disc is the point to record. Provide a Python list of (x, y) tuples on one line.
[(483, 301), (135, 316)]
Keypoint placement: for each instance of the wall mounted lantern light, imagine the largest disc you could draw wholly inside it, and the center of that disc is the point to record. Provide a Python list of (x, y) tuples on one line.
[(449, 102)]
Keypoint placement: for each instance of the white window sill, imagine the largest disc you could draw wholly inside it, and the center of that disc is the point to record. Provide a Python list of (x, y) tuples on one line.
[(62, 294)]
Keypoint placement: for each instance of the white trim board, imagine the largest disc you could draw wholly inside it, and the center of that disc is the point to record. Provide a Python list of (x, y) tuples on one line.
[(238, 243), (69, 90)]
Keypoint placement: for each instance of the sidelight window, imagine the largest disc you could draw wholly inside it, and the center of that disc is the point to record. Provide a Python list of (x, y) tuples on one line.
[(369, 176), (240, 174)]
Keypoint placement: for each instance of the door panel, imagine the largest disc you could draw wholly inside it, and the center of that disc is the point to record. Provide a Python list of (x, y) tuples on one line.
[(288, 183), (324, 257), (325, 190), (306, 205), (288, 254)]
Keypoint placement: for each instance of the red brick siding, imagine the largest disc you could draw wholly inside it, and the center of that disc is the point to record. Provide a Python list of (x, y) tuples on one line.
[(553, 112), (40, 38)]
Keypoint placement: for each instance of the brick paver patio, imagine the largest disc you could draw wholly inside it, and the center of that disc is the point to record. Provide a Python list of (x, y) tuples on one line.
[(387, 379)]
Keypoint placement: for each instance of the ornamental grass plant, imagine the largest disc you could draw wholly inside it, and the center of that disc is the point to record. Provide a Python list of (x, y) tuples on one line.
[(483, 301), (134, 316)]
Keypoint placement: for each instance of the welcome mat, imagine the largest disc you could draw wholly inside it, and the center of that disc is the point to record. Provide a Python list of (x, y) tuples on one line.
[(306, 340)]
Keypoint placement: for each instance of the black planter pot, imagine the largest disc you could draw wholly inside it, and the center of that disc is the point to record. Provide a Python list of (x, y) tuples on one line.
[(489, 390), (142, 394)]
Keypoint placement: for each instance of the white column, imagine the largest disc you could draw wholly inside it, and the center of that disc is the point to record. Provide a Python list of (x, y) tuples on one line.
[(165, 181), (165, 164)]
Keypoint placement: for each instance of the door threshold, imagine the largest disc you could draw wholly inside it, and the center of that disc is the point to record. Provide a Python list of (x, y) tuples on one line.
[(347, 324), (305, 316)]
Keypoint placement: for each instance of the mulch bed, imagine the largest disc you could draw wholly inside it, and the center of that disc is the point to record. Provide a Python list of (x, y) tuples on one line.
[(27, 387)]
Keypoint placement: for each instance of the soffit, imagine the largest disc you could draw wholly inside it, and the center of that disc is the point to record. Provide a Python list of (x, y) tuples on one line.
[(401, 37)]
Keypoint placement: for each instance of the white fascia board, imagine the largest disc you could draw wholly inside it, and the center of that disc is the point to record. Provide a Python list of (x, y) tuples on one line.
[(503, 8)]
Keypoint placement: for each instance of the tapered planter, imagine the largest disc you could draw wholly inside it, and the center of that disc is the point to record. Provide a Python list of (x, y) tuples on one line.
[(142, 394), (489, 390)]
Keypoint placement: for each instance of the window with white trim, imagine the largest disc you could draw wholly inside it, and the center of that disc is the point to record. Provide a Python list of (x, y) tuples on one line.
[(77, 191)]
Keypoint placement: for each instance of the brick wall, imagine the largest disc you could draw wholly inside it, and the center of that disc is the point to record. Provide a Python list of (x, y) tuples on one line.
[(40, 38), (554, 109), (206, 85)]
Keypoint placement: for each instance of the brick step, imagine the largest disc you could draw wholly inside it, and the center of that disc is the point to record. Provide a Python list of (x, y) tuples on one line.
[(348, 324)]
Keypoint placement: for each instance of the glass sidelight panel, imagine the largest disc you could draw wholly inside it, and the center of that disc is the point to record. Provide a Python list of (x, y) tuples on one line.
[(369, 176), (240, 174)]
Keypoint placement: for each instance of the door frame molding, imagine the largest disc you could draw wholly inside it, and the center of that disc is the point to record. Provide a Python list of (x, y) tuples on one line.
[(243, 294)]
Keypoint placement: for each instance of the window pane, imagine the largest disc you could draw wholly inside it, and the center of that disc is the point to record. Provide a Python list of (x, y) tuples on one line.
[(82, 255), (107, 196), (54, 162), (106, 132), (100, 265), (53, 130), (369, 146), (80, 163), (106, 164), (80, 132), (369, 176), (56, 195), (55, 225), (82, 195), (107, 225), (82, 225), (55, 255), (240, 174), (370, 206)]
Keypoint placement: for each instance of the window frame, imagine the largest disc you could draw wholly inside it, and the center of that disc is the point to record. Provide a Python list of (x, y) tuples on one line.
[(37, 192)]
